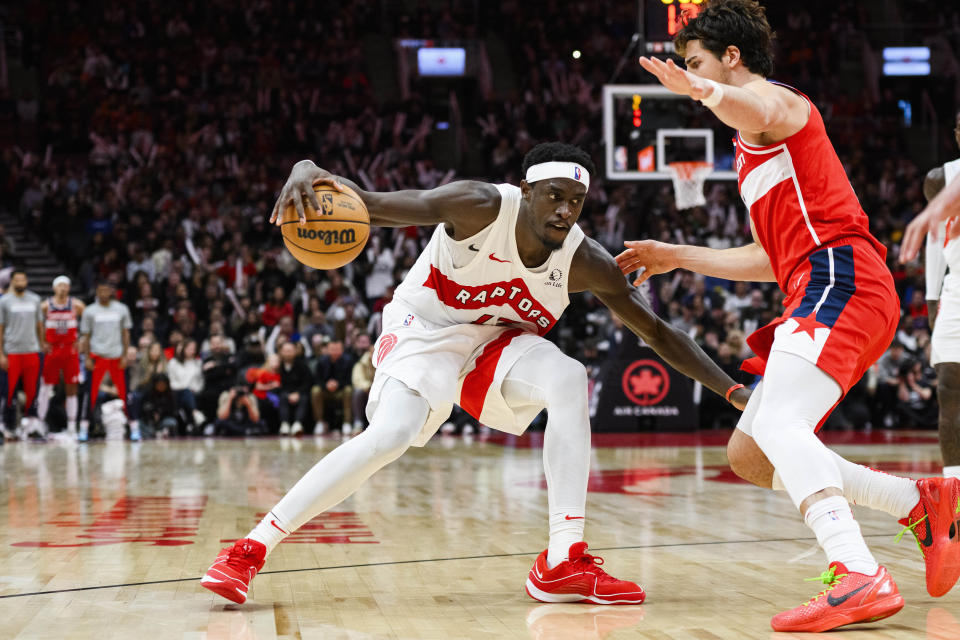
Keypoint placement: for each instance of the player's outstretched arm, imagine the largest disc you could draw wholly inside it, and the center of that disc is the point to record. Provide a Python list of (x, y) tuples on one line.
[(595, 270), (465, 203), (757, 107), (749, 263), (946, 205)]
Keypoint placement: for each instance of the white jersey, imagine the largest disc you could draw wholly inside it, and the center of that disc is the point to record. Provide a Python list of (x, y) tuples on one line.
[(481, 279), (943, 252)]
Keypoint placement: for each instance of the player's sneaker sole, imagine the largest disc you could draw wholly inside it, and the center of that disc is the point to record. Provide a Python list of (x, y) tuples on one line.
[(225, 587), (543, 596), (867, 613)]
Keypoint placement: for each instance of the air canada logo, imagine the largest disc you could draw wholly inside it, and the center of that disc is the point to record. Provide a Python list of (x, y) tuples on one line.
[(576, 173), (646, 382), (326, 204)]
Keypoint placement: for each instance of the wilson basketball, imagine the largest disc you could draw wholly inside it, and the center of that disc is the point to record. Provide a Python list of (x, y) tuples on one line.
[(333, 236)]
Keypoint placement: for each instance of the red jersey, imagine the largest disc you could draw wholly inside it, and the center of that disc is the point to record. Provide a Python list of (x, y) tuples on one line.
[(61, 325), (799, 197)]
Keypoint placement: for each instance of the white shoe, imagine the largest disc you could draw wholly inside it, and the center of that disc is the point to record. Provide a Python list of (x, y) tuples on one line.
[(320, 428), (198, 417), (357, 426), (346, 429), (296, 429), (284, 428)]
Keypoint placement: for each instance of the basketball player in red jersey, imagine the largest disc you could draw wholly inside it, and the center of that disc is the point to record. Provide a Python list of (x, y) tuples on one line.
[(61, 315), (465, 326), (812, 238)]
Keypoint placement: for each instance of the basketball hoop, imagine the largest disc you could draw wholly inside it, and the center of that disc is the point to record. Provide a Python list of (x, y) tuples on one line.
[(688, 179)]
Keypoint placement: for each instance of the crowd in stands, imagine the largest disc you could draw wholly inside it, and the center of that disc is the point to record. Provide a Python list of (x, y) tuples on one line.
[(155, 144)]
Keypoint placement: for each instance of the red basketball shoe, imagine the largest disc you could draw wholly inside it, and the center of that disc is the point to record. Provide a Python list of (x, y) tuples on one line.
[(935, 522), (234, 568), (850, 598), (579, 579)]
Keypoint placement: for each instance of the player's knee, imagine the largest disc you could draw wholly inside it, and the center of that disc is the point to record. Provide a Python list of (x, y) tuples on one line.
[(567, 379)]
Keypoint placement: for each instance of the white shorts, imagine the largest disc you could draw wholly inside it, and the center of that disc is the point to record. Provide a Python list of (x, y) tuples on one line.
[(463, 364), (945, 341)]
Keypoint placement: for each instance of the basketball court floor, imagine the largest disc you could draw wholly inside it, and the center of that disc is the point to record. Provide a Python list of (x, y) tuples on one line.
[(109, 540)]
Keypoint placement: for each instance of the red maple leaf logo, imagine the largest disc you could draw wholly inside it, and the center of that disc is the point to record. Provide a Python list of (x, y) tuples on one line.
[(646, 383)]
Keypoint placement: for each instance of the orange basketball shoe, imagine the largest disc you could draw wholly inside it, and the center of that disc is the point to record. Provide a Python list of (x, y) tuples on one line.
[(579, 578), (234, 568), (850, 598), (935, 522)]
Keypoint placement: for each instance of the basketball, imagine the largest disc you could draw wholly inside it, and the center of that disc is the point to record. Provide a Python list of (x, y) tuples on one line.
[(333, 236)]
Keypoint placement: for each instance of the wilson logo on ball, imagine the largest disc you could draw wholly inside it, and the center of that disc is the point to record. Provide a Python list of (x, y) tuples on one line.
[(342, 236)]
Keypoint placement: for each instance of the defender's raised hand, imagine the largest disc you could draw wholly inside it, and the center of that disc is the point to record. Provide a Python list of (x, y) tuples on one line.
[(299, 190), (651, 256), (676, 79)]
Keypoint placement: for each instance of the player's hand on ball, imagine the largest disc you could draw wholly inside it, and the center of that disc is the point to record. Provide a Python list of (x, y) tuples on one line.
[(298, 190), (739, 398), (650, 256)]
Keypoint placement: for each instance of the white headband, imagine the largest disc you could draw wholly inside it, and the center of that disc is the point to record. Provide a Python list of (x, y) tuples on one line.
[(554, 169), (64, 279)]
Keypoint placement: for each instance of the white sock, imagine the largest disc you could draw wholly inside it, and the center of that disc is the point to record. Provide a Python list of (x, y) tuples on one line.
[(951, 472), (43, 400), (270, 531), (566, 441), (566, 528), (71, 406), (876, 489), (839, 535), (398, 420)]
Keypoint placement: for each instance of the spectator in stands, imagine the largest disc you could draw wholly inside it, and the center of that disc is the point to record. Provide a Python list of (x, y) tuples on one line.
[(238, 413), (186, 377), (219, 375), (361, 379), (159, 411), (294, 393), (334, 372), (916, 408), (277, 307)]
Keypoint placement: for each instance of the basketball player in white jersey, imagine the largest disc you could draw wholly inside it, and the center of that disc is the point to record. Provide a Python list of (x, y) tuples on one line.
[(943, 302), (466, 327)]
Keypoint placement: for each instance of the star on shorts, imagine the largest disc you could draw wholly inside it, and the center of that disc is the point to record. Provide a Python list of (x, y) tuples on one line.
[(809, 325)]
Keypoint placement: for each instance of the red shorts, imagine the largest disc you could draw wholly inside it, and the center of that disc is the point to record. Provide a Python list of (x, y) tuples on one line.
[(842, 312), (65, 359)]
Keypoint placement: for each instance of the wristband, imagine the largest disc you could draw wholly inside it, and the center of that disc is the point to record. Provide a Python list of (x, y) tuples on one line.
[(731, 390), (714, 98)]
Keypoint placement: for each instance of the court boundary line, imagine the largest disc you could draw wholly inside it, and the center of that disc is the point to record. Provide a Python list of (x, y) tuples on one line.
[(420, 561)]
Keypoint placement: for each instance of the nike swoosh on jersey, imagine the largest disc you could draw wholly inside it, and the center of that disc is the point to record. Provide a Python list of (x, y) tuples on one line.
[(496, 259), (836, 602), (473, 248), (274, 523), (573, 517)]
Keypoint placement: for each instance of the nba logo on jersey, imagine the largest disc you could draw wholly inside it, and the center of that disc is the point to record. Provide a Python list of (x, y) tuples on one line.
[(576, 173), (408, 320)]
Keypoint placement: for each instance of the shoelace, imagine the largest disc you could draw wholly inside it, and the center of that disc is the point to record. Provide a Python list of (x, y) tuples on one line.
[(830, 577), (239, 554), (910, 527), (592, 563)]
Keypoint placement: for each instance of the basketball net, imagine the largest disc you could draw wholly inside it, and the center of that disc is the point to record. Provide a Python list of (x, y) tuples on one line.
[(688, 179)]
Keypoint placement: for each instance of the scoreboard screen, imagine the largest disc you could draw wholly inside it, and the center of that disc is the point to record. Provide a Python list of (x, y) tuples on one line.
[(662, 19)]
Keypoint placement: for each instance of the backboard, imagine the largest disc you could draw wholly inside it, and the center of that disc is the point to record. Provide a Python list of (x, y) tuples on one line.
[(646, 127)]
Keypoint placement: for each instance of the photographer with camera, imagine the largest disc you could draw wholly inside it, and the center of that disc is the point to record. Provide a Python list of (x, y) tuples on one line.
[(238, 413)]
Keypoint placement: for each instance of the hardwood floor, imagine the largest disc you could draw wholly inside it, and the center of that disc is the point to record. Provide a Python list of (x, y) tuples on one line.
[(108, 540)]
